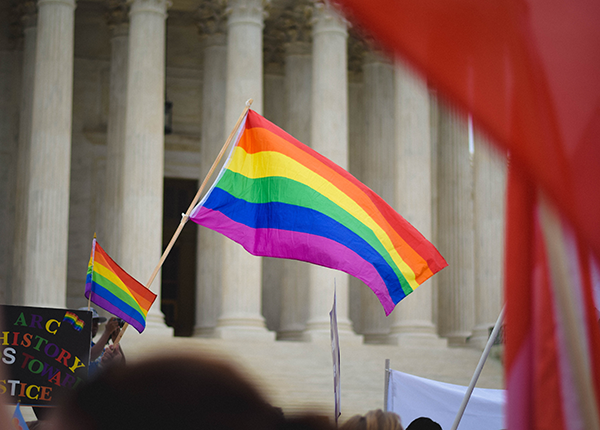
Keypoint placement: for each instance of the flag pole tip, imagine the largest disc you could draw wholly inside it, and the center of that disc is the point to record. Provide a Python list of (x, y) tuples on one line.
[(249, 102)]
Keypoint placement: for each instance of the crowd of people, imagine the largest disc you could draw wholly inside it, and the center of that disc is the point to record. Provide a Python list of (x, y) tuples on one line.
[(176, 391), (380, 420)]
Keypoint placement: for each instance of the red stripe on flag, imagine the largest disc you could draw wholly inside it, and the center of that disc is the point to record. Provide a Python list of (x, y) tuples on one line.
[(142, 295)]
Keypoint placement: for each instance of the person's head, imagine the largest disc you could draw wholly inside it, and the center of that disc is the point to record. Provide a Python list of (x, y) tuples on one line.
[(423, 423), (182, 392), (373, 420), (96, 319)]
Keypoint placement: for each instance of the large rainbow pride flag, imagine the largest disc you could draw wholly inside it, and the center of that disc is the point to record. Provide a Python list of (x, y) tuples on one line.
[(279, 198), (115, 291)]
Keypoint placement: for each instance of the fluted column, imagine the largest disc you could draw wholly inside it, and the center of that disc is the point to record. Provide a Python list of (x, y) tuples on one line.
[(329, 136), (28, 73), (490, 183), (356, 145), (273, 73), (378, 170), (434, 128), (50, 157), (414, 314), (298, 72), (143, 155), (357, 49), (274, 110), (273, 269), (242, 274), (115, 136), (210, 243), (11, 44), (455, 228)]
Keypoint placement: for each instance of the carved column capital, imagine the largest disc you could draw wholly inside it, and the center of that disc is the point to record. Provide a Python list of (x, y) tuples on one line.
[(117, 16), (327, 18), (273, 40), (239, 11), (149, 6), (297, 22), (22, 16), (375, 50), (29, 13), (376, 56), (357, 49), (212, 21), (70, 3)]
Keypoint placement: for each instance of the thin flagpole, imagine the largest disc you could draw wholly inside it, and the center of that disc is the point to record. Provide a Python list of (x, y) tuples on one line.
[(186, 215), (93, 259), (479, 368), (335, 352), (386, 384)]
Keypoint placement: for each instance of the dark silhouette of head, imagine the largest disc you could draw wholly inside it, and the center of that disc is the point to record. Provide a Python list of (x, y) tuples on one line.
[(182, 392), (423, 423)]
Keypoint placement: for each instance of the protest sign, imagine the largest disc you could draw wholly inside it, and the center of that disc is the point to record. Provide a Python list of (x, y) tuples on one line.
[(44, 353)]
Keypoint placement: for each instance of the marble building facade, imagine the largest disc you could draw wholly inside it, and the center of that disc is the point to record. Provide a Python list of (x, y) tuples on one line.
[(84, 150)]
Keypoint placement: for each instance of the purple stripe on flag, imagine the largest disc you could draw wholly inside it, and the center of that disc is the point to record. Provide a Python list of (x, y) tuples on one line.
[(299, 246), (108, 306)]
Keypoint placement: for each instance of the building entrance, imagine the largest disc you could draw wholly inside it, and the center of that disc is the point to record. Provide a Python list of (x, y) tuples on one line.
[(178, 293)]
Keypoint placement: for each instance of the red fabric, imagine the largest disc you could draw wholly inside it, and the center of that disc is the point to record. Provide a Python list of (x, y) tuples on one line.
[(545, 410), (519, 236), (534, 391), (527, 70), (536, 356)]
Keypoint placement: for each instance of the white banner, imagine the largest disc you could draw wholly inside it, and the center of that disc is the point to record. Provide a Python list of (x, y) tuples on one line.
[(413, 397)]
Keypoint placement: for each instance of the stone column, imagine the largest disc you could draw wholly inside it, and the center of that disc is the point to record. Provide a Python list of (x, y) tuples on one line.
[(298, 72), (50, 157), (274, 110), (11, 53), (434, 126), (455, 228), (273, 73), (242, 275), (490, 183), (115, 136), (378, 170), (28, 73), (329, 137), (143, 155), (414, 314), (356, 145), (210, 243), (357, 50)]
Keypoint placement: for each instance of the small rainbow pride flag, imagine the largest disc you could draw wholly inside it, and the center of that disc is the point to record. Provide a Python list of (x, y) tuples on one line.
[(74, 320), (115, 291), (17, 421), (279, 198)]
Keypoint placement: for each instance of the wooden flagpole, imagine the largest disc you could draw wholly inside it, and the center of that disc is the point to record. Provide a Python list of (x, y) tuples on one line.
[(186, 216), (93, 256)]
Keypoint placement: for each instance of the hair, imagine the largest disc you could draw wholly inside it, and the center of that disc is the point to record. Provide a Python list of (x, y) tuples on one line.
[(373, 420), (423, 423), (174, 392)]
